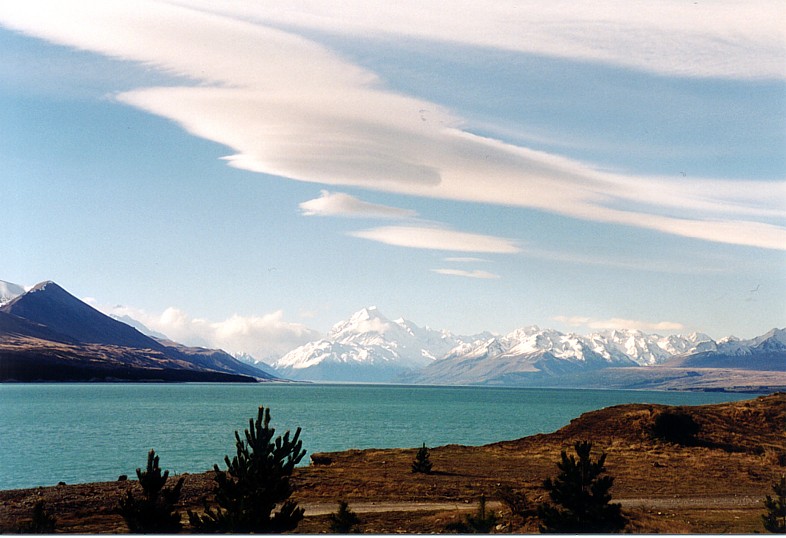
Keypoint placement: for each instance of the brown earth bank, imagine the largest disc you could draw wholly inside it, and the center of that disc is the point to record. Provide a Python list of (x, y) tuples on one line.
[(713, 483)]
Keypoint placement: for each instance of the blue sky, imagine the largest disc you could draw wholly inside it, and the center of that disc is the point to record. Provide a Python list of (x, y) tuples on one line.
[(244, 176)]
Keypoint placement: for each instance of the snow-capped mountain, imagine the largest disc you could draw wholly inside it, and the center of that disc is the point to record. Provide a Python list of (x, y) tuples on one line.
[(139, 326), (529, 350), (367, 347), (256, 363), (646, 349), (617, 347), (534, 353), (370, 347), (765, 353), (9, 291)]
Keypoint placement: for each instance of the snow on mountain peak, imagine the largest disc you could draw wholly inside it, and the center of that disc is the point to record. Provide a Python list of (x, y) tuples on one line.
[(365, 321), (369, 339), (9, 291), (774, 339)]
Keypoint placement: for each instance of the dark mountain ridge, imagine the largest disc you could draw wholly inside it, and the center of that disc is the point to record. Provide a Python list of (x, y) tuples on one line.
[(48, 334), (49, 305)]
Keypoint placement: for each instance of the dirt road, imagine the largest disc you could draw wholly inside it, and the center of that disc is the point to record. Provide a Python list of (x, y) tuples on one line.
[(664, 503)]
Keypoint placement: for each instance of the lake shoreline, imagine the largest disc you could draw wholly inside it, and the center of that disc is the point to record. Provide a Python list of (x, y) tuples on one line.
[(678, 488), (99, 431)]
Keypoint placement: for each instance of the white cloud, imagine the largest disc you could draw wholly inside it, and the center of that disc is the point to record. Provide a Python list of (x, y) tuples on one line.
[(724, 39), (337, 204), (265, 337), (467, 274), (438, 239), (619, 323), (290, 107), (466, 260)]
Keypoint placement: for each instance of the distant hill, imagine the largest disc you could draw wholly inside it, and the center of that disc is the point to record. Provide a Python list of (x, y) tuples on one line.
[(48, 334)]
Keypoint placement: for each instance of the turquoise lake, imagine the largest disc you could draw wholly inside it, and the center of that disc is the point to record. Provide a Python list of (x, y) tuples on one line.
[(95, 432)]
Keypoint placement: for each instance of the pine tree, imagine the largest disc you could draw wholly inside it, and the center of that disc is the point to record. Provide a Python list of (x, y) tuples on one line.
[(775, 518), (581, 496), (344, 521), (154, 512), (256, 480), (422, 464)]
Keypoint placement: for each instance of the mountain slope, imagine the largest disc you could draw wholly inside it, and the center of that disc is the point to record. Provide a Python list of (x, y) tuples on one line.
[(48, 333)]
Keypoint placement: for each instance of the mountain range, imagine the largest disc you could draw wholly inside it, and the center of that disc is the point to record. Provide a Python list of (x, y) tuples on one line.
[(47, 329), (47, 334), (370, 347)]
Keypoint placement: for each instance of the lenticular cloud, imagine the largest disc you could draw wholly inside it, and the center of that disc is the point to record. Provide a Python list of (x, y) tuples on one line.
[(288, 106)]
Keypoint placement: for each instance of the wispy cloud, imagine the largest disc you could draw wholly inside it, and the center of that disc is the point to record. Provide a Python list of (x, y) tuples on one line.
[(290, 107), (619, 324), (433, 238), (467, 274), (455, 259), (337, 204)]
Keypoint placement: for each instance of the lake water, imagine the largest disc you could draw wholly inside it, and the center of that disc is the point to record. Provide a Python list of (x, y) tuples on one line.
[(96, 432)]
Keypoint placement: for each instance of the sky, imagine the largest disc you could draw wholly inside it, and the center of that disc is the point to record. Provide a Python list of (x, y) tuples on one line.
[(246, 174)]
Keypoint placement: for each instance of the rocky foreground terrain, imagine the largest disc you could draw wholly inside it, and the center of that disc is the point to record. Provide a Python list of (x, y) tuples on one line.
[(712, 483)]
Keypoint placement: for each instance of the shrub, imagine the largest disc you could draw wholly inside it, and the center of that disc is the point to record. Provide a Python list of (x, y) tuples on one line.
[(255, 482), (344, 521), (482, 522), (422, 464), (580, 496), (154, 512), (775, 518), (41, 522), (675, 427), (321, 459), (515, 501)]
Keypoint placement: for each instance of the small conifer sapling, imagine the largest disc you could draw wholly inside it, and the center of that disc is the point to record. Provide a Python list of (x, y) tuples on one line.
[(422, 463), (155, 511), (580, 496), (345, 521), (255, 483), (775, 518), (482, 522)]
